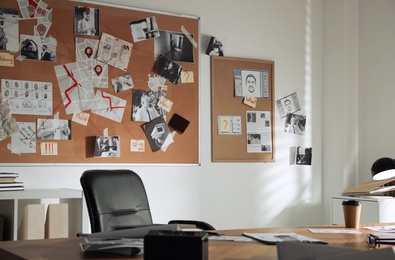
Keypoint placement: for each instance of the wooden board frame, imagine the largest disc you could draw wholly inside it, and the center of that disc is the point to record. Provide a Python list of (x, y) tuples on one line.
[(233, 147), (114, 20)]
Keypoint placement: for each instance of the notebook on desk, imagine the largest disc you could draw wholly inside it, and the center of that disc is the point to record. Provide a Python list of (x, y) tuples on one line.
[(273, 238)]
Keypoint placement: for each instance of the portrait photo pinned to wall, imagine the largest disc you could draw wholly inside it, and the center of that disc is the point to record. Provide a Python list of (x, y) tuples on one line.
[(168, 69), (145, 105), (215, 47), (144, 29), (295, 124), (86, 21), (9, 29), (173, 45), (254, 83), (53, 129), (288, 104)]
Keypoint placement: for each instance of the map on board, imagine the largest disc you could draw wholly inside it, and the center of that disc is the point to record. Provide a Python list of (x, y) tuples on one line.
[(109, 106), (86, 50), (75, 86)]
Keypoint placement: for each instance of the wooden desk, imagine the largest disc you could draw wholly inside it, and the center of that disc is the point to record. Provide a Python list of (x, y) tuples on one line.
[(69, 248)]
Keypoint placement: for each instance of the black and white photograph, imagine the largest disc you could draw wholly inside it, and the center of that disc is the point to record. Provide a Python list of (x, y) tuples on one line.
[(9, 29), (86, 21), (174, 45), (288, 104), (253, 83), (107, 146), (156, 132), (145, 105), (122, 83), (144, 29), (168, 69), (303, 155), (215, 47), (53, 129), (295, 124), (38, 48)]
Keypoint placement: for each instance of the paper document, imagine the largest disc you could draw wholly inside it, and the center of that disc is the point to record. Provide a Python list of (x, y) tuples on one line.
[(273, 238), (370, 188)]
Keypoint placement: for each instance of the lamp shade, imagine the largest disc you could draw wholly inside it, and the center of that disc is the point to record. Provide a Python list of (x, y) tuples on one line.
[(383, 168)]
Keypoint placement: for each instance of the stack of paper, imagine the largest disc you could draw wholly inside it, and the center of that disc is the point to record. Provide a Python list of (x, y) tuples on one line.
[(8, 182)]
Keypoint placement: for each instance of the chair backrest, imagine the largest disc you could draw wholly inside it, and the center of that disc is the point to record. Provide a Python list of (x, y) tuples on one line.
[(115, 198)]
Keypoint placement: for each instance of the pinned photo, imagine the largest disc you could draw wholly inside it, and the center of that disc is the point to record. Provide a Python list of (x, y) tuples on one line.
[(145, 105), (295, 124), (122, 83), (301, 155), (288, 104), (38, 48), (86, 21), (144, 29), (215, 47), (53, 129), (168, 69), (9, 29), (156, 132), (107, 146), (253, 83), (174, 45)]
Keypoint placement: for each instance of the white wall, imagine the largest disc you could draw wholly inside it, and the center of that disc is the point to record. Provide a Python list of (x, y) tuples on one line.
[(238, 195), (376, 83)]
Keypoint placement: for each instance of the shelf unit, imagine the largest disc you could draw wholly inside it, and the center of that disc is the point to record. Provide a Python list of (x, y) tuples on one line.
[(12, 204)]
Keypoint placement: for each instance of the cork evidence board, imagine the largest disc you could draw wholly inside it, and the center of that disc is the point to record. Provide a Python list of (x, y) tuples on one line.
[(242, 92), (98, 73)]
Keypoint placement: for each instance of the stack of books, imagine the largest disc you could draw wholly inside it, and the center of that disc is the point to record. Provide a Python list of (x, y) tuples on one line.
[(8, 182)]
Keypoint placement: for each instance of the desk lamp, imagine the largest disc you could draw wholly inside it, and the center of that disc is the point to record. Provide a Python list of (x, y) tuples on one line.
[(383, 168)]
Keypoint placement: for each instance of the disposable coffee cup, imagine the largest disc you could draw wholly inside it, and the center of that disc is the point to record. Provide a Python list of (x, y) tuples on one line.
[(352, 213)]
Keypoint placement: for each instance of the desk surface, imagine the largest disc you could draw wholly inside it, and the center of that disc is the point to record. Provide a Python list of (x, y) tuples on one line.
[(69, 248)]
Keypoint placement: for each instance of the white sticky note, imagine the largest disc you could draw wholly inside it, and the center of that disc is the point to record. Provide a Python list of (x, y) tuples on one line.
[(137, 145), (224, 123), (165, 103), (49, 148), (187, 77), (81, 117), (6, 59)]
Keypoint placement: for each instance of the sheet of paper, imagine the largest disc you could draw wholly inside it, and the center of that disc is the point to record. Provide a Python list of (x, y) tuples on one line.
[(113, 51), (334, 231), (390, 228), (259, 135)]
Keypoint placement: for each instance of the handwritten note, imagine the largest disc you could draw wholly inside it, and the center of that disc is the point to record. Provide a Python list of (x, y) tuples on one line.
[(81, 117), (6, 59), (250, 101), (137, 145)]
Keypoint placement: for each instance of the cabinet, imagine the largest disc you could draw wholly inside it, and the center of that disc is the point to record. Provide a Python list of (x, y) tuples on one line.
[(12, 204), (375, 209)]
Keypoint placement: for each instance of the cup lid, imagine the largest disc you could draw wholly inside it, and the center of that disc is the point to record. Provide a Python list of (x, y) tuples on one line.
[(351, 203)]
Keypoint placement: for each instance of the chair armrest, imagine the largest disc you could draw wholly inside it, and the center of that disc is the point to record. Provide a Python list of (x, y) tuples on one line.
[(199, 224)]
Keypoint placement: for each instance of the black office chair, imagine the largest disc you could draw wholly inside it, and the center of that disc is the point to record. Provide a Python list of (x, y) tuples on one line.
[(117, 199)]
